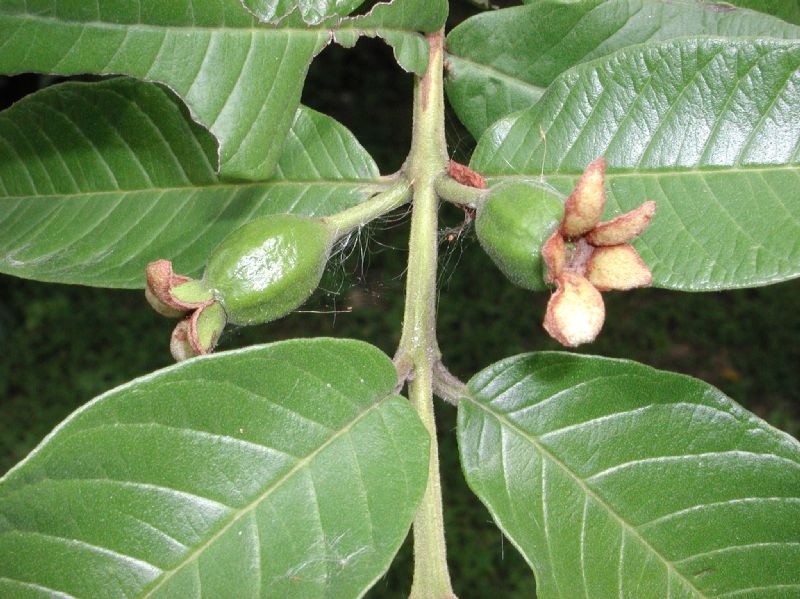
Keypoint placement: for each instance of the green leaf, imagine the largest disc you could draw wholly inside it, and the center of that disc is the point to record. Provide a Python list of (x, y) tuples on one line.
[(311, 12), (98, 179), (707, 128), (788, 10), (285, 470), (397, 23), (240, 80), (492, 75), (617, 480)]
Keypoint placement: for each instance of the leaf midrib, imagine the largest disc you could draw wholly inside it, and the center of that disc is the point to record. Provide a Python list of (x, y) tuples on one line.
[(368, 185), (247, 509), (587, 491), (680, 171), (493, 71), (345, 25)]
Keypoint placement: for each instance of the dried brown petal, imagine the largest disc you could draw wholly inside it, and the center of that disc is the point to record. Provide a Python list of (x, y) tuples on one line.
[(554, 253), (585, 205), (618, 267), (623, 228), (161, 307), (179, 344), (465, 175), (575, 312), (160, 280)]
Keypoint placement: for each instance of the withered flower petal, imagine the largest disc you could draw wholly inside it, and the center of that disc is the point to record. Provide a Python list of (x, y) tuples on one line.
[(585, 257), (179, 344), (170, 294), (623, 228), (554, 253), (205, 327), (160, 280), (575, 312), (197, 334), (585, 205), (617, 267)]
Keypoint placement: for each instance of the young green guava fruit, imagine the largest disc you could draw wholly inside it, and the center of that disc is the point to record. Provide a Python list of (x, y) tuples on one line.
[(512, 224), (268, 267)]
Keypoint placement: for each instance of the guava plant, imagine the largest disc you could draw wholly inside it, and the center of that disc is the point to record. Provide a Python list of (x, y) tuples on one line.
[(620, 144)]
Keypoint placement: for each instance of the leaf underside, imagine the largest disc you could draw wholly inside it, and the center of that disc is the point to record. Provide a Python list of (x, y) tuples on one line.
[(273, 11), (502, 61), (705, 127), (397, 23), (286, 470), (240, 78), (617, 480), (98, 179)]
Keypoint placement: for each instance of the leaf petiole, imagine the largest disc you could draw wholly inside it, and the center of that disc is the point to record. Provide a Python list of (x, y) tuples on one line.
[(454, 192), (378, 205)]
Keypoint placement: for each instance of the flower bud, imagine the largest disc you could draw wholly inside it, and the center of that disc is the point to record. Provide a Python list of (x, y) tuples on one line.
[(513, 224), (268, 267)]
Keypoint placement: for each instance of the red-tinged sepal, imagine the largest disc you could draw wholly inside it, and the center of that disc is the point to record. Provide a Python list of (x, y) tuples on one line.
[(554, 253), (198, 334), (575, 312), (617, 267), (465, 175), (160, 280), (585, 205), (205, 327), (170, 294), (623, 228)]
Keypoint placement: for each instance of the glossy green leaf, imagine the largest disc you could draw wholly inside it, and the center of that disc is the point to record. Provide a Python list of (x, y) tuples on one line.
[(310, 11), (98, 179), (502, 61), (285, 470), (788, 10), (617, 480), (240, 80), (707, 128)]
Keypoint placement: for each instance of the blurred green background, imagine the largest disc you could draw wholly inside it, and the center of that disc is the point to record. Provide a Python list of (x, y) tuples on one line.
[(61, 345)]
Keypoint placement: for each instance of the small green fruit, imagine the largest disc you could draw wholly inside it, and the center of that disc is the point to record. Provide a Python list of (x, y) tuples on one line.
[(268, 267), (512, 225)]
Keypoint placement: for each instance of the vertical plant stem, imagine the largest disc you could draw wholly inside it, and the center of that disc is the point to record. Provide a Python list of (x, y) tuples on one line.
[(418, 346)]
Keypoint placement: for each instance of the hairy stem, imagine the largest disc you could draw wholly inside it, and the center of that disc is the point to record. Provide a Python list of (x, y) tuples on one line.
[(418, 346), (447, 386), (451, 190), (378, 205)]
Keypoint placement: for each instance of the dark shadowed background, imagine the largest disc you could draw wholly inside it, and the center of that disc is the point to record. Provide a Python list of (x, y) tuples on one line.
[(61, 345)]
